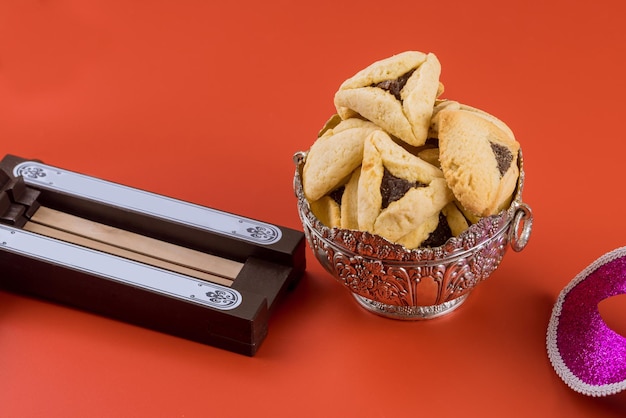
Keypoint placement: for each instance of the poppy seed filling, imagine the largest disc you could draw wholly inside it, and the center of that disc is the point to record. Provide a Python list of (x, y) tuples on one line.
[(337, 194), (394, 86), (503, 155), (392, 188), (440, 235)]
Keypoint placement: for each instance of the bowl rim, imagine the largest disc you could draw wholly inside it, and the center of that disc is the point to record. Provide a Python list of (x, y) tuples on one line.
[(471, 240)]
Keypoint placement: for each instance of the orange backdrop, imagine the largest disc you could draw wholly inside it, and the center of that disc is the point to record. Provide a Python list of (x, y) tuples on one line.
[(208, 101)]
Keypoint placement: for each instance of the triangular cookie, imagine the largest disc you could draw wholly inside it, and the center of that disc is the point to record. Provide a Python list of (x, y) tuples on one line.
[(334, 156), (412, 210), (397, 93), (478, 159), (397, 190)]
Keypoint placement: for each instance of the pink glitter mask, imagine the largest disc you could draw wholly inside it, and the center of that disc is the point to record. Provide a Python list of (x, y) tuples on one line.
[(588, 355)]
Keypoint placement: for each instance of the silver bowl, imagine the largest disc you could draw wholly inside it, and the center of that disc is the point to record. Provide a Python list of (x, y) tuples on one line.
[(395, 282)]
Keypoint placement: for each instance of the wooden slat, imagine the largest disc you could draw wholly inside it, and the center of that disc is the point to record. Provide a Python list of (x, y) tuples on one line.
[(136, 243), (110, 249)]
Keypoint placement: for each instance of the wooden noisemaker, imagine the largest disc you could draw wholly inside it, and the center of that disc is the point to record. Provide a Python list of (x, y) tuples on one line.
[(147, 259)]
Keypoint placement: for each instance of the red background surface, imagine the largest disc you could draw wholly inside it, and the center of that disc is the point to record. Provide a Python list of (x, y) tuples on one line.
[(208, 103)]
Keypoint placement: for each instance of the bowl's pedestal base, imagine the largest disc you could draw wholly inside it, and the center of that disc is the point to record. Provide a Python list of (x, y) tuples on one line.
[(410, 313)]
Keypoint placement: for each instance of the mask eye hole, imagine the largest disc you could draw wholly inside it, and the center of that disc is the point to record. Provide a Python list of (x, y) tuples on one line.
[(613, 313)]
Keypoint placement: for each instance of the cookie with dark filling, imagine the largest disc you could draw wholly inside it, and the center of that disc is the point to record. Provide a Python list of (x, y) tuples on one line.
[(412, 210), (397, 192), (397, 93), (478, 158)]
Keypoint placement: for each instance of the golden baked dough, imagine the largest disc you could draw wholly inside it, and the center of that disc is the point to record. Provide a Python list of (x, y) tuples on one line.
[(334, 156), (404, 215), (349, 202), (377, 94), (478, 159), (416, 237), (456, 221), (413, 209), (454, 105), (430, 155), (402, 163), (422, 235), (327, 211), (369, 196)]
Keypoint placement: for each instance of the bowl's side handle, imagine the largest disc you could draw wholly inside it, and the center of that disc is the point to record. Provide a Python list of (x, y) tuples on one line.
[(519, 234)]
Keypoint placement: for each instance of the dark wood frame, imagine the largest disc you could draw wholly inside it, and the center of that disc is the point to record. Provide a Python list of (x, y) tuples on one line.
[(269, 271)]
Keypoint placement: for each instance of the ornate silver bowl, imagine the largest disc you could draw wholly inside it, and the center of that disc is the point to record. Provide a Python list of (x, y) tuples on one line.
[(395, 282)]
